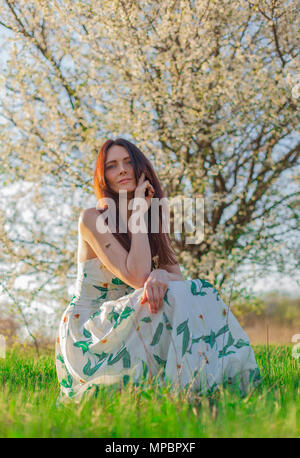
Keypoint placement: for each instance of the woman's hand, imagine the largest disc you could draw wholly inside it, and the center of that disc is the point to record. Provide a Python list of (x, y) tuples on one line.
[(140, 190), (155, 288)]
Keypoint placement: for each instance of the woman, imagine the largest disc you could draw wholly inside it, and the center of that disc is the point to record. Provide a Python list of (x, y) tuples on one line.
[(133, 315)]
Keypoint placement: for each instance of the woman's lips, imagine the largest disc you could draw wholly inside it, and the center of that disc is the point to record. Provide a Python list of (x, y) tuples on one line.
[(125, 180)]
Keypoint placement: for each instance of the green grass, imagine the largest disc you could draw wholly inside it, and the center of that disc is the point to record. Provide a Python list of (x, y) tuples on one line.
[(29, 390)]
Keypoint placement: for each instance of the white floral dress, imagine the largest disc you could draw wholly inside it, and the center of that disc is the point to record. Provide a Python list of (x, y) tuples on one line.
[(106, 336)]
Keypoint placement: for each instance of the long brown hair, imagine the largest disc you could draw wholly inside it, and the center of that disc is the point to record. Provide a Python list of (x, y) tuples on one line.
[(160, 243)]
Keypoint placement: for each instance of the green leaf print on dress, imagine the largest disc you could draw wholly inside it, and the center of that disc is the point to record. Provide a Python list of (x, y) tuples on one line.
[(125, 313), (113, 316), (118, 317), (254, 375), (126, 360), (216, 292), (241, 343), (167, 321), (157, 334), (68, 381), (160, 361), (86, 333), (126, 379), (222, 330), (147, 319), (89, 370), (183, 328), (117, 281), (166, 298), (103, 296), (60, 358), (205, 284), (72, 301), (211, 338), (123, 353), (101, 356), (84, 345), (195, 287), (145, 369), (224, 352), (96, 314), (193, 341)]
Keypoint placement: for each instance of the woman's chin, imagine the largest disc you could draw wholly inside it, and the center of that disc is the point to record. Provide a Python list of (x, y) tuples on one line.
[(129, 189)]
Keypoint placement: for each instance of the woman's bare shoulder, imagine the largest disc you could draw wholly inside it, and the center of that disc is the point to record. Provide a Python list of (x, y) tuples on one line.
[(87, 218), (88, 213)]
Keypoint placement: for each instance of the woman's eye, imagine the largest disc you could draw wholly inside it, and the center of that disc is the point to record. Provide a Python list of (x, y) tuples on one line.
[(112, 165)]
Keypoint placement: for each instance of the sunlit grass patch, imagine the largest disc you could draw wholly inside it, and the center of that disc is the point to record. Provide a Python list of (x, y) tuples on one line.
[(29, 391)]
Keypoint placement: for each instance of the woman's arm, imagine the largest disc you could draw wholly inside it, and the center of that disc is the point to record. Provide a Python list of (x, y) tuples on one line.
[(173, 272), (175, 277), (113, 255), (139, 257)]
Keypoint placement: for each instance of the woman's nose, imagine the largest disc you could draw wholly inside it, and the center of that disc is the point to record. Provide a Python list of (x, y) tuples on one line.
[(122, 168)]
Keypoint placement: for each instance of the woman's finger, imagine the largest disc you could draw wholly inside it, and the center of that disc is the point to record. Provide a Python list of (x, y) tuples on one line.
[(151, 298), (156, 297), (145, 297), (142, 179), (162, 293)]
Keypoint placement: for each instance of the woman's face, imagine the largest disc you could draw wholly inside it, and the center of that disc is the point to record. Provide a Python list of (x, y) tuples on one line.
[(118, 166)]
